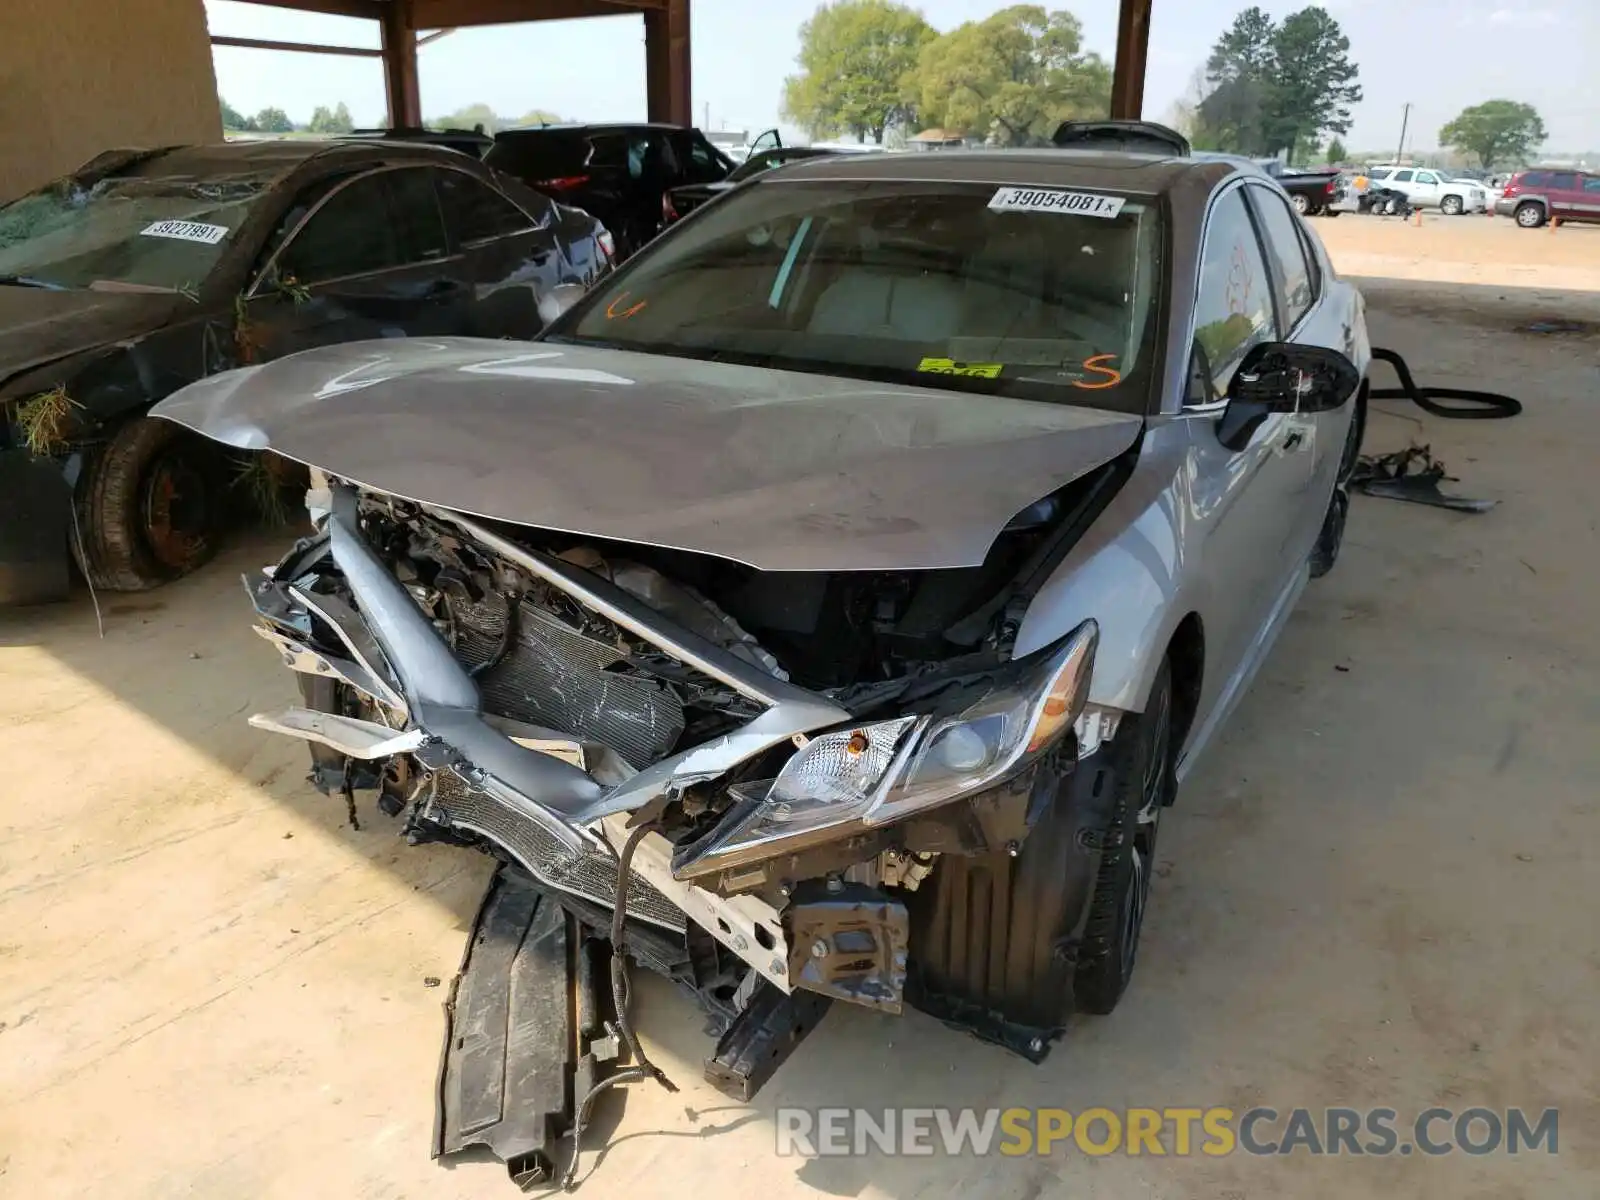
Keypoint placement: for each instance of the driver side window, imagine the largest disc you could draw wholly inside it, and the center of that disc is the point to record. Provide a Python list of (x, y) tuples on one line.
[(1233, 308)]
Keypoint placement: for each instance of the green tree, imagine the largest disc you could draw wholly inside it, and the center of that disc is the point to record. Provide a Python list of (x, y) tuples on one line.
[(1314, 82), (1495, 132), (1012, 77), (1277, 87), (1336, 153), (541, 116), (274, 120), (855, 56), (232, 118), (1235, 111), (469, 117)]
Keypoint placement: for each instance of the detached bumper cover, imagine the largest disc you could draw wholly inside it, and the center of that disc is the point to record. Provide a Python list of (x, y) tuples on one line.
[(35, 525)]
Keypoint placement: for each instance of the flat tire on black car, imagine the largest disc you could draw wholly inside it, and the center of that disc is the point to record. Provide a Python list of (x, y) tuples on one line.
[(1301, 204), (149, 506), (1144, 758)]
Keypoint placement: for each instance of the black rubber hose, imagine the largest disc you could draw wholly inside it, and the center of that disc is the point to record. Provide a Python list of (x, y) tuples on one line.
[(1476, 406)]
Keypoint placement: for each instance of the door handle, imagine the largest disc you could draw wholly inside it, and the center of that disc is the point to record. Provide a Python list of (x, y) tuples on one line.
[(1293, 438)]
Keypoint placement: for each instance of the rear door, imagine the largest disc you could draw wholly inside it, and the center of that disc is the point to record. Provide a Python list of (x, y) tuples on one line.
[(1403, 181), (1566, 195), (371, 259), (511, 256)]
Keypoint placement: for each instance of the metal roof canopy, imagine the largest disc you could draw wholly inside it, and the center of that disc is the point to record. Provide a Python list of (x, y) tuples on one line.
[(666, 41), (666, 44)]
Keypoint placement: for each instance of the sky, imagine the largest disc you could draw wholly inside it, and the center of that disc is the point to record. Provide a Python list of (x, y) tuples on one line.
[(1438, 55)]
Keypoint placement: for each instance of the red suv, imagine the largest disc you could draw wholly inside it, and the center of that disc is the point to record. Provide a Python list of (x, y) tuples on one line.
[(1534, 197)]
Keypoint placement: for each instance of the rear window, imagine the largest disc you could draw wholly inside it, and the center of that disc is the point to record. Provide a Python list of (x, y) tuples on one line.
[(536, 156), (1010, 290), (1532, 179)]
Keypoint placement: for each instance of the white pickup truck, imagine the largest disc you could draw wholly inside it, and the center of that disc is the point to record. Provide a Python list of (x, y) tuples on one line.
[(1427, 188)]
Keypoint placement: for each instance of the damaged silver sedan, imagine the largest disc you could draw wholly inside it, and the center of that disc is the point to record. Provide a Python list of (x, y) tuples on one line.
[(847, 582)]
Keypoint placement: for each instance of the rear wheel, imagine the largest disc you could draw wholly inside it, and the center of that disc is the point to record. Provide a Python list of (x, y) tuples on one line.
[(1301, 204), (1530, 215), (149, 506), (1451, 206)]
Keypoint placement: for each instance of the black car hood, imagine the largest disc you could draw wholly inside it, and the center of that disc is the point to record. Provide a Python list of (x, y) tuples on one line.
[(777, 469), (38, 326)]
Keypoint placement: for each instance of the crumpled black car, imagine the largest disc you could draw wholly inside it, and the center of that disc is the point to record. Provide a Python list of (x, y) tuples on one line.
[(149, 269)]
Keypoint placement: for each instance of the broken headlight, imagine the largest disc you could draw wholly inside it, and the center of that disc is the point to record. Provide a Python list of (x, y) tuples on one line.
[(871, 774)]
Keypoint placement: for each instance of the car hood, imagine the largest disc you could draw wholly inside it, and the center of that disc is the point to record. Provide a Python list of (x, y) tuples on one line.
[(38, 326), (777, 469)]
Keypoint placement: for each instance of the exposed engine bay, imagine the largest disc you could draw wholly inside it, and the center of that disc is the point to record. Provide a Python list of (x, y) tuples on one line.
[(767, 766)]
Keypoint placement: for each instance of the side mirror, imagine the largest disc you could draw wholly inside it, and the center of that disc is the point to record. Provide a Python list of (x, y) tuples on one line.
[(557, 300), (1277, 377)]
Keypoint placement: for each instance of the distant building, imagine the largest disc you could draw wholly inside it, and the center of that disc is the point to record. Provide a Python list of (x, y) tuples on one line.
[(937, 139)]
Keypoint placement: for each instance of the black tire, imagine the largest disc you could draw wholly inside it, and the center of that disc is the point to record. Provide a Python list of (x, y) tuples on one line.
[(1530, 215), (1330, 212), (1144, 777), (1330, 539), (1301, 204), (149, 506), (1451, 206)]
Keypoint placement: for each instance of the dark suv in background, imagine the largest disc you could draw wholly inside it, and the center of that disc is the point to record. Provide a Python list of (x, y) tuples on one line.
[(1534, 197), (616, 173)]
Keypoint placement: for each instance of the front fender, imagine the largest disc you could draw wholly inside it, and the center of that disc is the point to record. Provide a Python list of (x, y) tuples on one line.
[(1128, 573)]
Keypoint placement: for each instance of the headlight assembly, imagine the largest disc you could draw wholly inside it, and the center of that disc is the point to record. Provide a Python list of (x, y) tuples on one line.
[(871, 774)]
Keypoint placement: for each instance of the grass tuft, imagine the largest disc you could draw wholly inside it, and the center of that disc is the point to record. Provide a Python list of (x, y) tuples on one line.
[(45, 421)]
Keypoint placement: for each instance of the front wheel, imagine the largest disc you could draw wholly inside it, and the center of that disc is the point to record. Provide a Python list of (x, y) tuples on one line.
[(1301, 204), (1144, 756), (1451, 206), (149, 506)]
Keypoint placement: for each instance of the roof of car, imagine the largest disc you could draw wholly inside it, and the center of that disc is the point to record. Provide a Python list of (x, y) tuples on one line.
[(1145, 174), (596, 127), (271, 157)]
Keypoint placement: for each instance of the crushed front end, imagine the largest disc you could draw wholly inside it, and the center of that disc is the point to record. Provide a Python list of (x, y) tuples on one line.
[(596, 715)]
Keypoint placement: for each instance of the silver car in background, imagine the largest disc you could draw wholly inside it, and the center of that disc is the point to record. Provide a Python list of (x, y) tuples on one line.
[(849, 581)]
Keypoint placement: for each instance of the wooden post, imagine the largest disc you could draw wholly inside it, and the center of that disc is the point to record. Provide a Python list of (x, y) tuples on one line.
[(1133, 52), (400, 66), (666, 62)]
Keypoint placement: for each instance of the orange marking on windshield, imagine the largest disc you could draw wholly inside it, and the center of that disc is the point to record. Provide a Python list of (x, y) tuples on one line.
[(1092, 363), (611, 309)]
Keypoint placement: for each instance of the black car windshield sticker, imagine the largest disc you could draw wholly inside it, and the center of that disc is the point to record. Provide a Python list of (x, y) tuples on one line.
[(186, 231), (1082, 204)]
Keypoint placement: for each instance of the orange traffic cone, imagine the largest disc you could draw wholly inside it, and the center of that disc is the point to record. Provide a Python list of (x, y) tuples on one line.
[(1554, 221), (1419, 216)]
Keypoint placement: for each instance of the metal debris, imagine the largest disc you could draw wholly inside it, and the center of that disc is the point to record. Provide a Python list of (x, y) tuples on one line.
[(1411, 474)]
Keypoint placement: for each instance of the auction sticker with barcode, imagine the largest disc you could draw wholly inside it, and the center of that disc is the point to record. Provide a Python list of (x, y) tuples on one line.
[(186, 231), (1083, 204)]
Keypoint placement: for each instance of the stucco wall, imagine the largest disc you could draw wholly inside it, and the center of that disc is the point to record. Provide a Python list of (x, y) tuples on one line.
[(81, 76)]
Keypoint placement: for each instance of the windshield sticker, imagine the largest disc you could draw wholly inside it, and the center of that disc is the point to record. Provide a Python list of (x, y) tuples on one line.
[(1092, 363), (1082, 204), (186, 231), (949, 366)]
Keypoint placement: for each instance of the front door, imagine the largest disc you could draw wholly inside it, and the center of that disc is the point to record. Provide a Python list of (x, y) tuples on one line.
[(1249, 498), (371, 261)]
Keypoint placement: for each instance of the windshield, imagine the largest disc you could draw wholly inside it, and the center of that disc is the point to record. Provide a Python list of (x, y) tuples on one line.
[(1011, 290), (133, 233)]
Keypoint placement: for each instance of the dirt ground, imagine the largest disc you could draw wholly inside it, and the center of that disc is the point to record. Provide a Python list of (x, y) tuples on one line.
[(1378, 889)]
